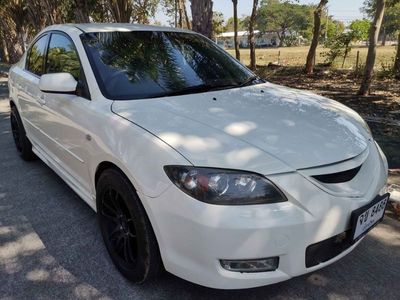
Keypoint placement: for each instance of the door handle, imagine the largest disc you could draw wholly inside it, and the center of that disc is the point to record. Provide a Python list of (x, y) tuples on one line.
[(42, 100)]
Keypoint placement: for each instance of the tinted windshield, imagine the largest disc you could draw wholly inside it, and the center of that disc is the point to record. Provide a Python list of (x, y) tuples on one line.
[(147, 64)]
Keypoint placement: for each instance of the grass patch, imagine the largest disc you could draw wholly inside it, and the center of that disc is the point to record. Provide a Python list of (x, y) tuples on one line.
[(296, 56)]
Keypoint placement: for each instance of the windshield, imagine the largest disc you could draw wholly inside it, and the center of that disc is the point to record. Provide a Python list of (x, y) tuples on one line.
[(148, 64)]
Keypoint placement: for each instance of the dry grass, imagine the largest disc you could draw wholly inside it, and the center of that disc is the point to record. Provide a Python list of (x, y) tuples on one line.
[(296, 56)]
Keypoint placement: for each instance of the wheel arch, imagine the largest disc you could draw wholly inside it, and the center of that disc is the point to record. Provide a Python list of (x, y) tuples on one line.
[(104, 165)]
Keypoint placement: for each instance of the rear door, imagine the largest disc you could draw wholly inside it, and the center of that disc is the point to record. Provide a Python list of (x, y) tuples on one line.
[(30, 98)]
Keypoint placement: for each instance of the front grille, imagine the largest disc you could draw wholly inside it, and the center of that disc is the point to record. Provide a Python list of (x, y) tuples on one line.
[(338, 177), (327, 249)]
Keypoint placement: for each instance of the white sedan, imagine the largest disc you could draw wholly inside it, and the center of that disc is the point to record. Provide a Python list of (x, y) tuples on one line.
[(193, 163)]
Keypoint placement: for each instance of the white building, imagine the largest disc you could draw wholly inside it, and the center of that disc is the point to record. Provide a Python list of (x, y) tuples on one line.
[(267, 39)]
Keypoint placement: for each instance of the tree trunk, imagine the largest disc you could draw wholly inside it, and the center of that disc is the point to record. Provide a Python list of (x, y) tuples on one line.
[(384, 35), (81, 11), (121, 10), (202, 15), (3, 50), (373, 40), (252, 41), (316, 33), (186, 15), (396, 67), (235, 29), (180, 14), (176, 13), (282, 37)]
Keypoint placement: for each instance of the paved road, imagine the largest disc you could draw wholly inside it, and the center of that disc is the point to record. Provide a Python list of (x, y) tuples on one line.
[(50, 247)]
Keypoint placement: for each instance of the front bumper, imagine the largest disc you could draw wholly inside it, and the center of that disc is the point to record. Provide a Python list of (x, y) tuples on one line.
[(194, 236)]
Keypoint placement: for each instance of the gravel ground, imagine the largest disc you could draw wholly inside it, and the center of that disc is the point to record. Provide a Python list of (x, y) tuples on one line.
[(51, 248)]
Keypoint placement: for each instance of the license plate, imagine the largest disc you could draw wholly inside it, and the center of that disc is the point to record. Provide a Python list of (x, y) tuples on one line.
[(366, 217)]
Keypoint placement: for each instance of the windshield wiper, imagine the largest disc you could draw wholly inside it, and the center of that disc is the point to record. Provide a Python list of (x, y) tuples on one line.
[(250, 80), (201, 88)]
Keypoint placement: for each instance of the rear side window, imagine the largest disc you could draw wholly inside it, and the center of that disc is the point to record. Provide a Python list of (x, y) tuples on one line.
[(62, 56), (36, 56)]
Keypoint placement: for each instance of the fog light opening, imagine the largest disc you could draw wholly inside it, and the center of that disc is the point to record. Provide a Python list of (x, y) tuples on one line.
[(251, 265)]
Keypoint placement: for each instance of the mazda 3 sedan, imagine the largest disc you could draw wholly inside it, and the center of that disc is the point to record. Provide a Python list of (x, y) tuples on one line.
[(192, 162)]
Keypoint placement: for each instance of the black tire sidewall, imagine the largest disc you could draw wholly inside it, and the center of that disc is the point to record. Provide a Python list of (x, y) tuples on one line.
[(24, 143), (145, 236)]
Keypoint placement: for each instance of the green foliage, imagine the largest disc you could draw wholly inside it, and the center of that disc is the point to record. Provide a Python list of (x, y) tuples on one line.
[(359, 29), (338, 47), (285, 18), (230, 27), (391, 19), (218, 23), (340, 44)]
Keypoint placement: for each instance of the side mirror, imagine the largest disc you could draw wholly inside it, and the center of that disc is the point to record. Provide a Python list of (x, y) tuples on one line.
[(58, 83)]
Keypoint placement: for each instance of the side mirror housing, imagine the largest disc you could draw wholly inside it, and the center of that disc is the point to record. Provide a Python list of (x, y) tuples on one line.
[(58, 83)]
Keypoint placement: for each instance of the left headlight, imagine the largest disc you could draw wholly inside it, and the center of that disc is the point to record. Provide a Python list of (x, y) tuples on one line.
[(224, 187)]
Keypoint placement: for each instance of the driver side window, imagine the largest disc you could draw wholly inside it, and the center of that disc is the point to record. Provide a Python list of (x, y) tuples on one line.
[(62, 56)]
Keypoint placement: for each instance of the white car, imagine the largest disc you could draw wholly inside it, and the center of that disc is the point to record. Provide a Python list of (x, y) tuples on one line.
[(191, 161)]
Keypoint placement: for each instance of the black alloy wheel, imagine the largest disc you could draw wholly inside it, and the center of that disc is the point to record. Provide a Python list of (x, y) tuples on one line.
[(125, 227)]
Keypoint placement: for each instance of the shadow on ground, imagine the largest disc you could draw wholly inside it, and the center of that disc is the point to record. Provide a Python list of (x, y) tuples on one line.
[(50, 247)]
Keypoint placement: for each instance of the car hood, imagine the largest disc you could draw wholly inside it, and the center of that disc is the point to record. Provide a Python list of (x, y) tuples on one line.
[(265, 128)]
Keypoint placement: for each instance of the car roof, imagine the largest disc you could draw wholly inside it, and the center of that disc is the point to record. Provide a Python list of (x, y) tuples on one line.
[(108, 27)]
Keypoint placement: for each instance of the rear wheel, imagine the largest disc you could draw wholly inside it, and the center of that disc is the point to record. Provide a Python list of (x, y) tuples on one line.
[(21, 141), (126, 229)]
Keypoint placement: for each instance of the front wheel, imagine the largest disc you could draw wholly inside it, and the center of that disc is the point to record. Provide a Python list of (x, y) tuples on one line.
[(126, 229), (21, 141)]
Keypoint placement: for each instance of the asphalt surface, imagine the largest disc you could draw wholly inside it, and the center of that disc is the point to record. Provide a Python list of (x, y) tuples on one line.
[(51, 248)]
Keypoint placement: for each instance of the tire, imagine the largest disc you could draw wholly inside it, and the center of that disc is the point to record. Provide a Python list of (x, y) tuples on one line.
[(21, 141), (126, 229)]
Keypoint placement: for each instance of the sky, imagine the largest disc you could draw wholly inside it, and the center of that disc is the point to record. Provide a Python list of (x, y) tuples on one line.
[(343, 10)]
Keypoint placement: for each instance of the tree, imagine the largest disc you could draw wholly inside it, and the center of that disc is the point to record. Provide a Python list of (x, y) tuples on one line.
[(202, 16), (396, 67), (252, 42), (177, 12), (142, 10), (373, 40), (230, 26), (218, 23), (81, 11), (316, 34), (121, 10), (360, 29), (284, 18), (235, 29), (391, 18)]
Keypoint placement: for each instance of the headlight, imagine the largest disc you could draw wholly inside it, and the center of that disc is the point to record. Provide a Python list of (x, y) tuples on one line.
[(224, 187)]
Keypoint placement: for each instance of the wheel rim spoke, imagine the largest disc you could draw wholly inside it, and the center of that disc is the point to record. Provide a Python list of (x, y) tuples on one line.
[(120, 230)]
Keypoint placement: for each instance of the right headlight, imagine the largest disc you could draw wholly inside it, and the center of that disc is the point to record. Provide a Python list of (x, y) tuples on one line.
[(224, 187)]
